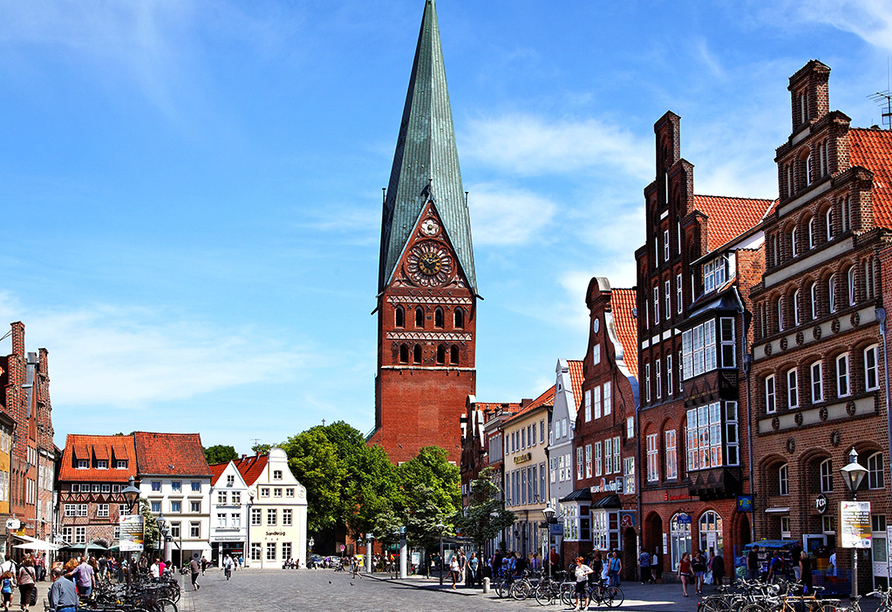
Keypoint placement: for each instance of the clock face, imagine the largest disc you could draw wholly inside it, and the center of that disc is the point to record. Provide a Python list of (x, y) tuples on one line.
[(429, 264), (430, 227)]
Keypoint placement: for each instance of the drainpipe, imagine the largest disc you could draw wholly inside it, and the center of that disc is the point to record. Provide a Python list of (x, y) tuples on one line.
[(747, 317), (881, 317)]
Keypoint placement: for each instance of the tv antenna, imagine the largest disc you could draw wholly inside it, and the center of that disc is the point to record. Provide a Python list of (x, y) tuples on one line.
[(884, 99)]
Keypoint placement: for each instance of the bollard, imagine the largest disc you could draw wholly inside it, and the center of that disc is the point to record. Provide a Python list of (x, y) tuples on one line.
[(486, 585)]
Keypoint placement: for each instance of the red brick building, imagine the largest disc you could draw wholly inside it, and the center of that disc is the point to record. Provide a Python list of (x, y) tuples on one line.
[(605, 443), (427, 287), (819, 353), (692, 428)]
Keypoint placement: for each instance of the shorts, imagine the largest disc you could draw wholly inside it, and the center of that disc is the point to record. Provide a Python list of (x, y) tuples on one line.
[(581, 587)]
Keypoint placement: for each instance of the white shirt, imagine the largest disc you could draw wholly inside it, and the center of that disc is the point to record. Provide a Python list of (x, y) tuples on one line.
[(156, 570), (582, 571)]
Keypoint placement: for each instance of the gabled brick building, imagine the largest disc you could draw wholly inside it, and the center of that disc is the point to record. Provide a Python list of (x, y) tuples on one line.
[(819, 351), (690, 313)]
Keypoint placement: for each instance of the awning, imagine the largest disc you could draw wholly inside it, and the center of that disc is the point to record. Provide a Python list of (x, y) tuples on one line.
[(775, 510), (608, 501), (37, 545)]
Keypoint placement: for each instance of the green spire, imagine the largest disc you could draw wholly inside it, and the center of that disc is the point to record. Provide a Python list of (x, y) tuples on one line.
[(425, 165)]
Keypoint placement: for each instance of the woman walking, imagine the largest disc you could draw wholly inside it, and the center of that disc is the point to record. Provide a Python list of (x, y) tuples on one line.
[(27, 581), (805, 576), (454, 570), (698, 566), (684, 572), (581, 572)]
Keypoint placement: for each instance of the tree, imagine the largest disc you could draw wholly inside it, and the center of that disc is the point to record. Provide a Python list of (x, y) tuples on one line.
[(261, 449), (486, 516), (151, 534), (431, 468), (220, 454), (316, 463)]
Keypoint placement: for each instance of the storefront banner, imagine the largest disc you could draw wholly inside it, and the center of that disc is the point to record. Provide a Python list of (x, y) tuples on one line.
[(855, 524), (131, 533)]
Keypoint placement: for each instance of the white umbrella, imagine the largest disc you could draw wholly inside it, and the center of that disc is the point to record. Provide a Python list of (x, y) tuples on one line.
[(37, 545)]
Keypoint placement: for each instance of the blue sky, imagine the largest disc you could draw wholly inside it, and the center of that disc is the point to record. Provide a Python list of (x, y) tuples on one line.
[(191, 190)]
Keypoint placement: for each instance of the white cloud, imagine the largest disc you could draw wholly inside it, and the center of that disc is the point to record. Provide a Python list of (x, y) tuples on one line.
[(530, 145), (503, 215), (870, 20), (127, 356)]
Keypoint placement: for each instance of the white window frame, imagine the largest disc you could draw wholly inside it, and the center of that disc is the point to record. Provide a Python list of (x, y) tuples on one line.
[(657, 304), (669, 389), (783, 479), (679, 294), (770, 394), (792, 389), (826, 476), (653, 457), (797, 318), (871, 368), (668, 292), (850, 285), (607, 401), (671, 454), (817, 382), (813, 291), (658, 370), (876, 474), (843, 376), (831, 292)]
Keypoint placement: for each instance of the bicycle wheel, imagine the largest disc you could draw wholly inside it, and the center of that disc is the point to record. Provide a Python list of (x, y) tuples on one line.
[(521, 590), (568, 589), (167, 605), (500, 588), (714, 603), (754, 607), (613, 596), (543, 594)]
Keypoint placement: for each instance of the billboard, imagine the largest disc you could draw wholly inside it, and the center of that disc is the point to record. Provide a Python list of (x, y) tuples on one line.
[(854, 524), (131, 533)]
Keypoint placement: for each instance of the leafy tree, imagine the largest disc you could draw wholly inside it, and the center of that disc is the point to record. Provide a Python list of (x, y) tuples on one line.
[(220, 454), (431, 468), (316, 463), (151, 534), (486, 516), (261, 449)]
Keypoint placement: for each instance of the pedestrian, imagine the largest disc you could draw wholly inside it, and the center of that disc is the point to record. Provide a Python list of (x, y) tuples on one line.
[(718, 570), (805, 575), (7, 584), (473, 568), (8, 565), (698, 566), (776, 567), (752, 563), (27, 581), (155, 569), (830, 570), (535, 563), (454, 569), (684, 572), (194, 569), (614, 569), (227, 566), (597, 565), (581, 573), (204, 564), (84, 579), (62, 596), (644, 564), (554, 559)]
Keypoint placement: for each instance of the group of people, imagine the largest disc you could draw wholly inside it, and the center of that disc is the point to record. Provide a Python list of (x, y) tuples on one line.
[(468, 567), (693, 569), (600, 566), (775, 568)]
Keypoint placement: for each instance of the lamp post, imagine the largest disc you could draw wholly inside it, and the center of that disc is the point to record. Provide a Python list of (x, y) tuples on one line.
[(131, 494), (368, 551), (852, 475), (440, 528), (548, 512), (162, 535)]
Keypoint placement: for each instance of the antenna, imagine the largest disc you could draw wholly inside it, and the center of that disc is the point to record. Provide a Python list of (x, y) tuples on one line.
[(884, 100)]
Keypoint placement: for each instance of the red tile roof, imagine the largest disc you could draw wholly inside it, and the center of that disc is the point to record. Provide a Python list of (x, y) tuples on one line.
[(546, 399), (110, 448), (217, 470), (872, 149), (622, 303), (576, 378), (170, 454), (251, 468), (729, 217)]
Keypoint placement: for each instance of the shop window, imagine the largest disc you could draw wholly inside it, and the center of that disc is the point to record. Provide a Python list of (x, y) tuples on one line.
[(711, 538), (679, 538)]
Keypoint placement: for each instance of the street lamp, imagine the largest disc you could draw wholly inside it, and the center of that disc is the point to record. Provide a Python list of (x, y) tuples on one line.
[(440, 528), (368, 551), (131, 494), (162, 534), (548, 512), (852, 475)]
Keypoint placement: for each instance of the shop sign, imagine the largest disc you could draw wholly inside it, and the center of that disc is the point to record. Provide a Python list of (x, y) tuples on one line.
[(855, 524), (821, 503), (683, 519), (615, 486), (523, 458), (744, 503), (627, 519), (271, 534)]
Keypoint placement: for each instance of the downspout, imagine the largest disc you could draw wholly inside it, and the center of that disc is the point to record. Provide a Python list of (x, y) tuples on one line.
[(881, 317), (747, 370)]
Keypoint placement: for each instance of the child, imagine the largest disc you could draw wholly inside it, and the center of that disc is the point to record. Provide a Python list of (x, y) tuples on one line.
[(7, 582)]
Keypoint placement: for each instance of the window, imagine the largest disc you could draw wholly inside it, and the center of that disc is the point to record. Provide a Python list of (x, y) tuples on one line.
[(230, 480), (828, 223), (256, 517), (704, 436), (416, 354), (630, 428), (106, 488), (599, 465), (658, 369), (793, 237), (588, 405), (812, 235), (646, 382), (780, 314), (287, 517), (727, 338), (439, 319), (221, 519), (176, 507), (826, 476), (850, 285), (597, 403), (783, 480), (817, 382), (195, 529), (255, 551), (608, 400), (286, 550), (80, 535), (698, 349), (75, 509), (665, 245), (156, 485), (770, 398), (875, 476), (587, 462), (608, 456), (813, 296), (176, 486), (668, 374), (195, 507), (175, 529), (842, 375), (596, 354), (264, 491), (236, 497), (871, 373), (102, 464), (453, 355), (797, 319), (715, 273), (83, 464), (156, 506), (459, 318), (419, 317), (441, 355), (399, 317), (404, 353), (236, 519), (277, 474), (653, 468), (844, 214), (809, 173), (656, 304), (196, 486), (668, 293), (270, 551), (792, 389), (678, 293), (732, 437), (221, 497), (671, 455), (271, 516)]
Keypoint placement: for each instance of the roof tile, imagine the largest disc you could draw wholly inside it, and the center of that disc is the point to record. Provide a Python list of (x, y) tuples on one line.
[(622, 304), (170, 454), (872, 149), (730, 217), (111, 448), (251, 468)]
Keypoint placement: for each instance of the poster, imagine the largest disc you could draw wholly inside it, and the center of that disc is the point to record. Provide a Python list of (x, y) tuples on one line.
[(131, 533), (854, 524)]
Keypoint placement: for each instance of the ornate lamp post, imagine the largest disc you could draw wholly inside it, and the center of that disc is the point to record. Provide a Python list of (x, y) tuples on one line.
[(368, 551), (548, 512), (131, 494), (852, 475)]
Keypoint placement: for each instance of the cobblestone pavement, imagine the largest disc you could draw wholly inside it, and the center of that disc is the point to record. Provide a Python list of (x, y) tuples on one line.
[(252, 590)]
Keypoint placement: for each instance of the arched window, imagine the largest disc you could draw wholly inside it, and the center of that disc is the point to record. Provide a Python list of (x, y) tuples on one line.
[(876, 478), (809, 174), (400, 317), (441, 355), (419, 317), (680, 538), (438, 318), (812, 233), (797, 318), (453, 355), (780, 314), (845, 213), (404, 353), (831, 293), (827, 476), (813, 296), (711, 532), (417, 354), (828, 223), (783, 480), (794, 235), (850, 285), (459, 318)]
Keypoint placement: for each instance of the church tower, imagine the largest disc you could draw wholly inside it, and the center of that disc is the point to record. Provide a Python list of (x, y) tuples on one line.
[(427, 289)]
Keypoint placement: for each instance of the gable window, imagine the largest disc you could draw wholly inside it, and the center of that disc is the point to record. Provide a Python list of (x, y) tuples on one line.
[(871, 373), (783, 480), (792, 389), (458, 318), (646, 382), (588, 405), (230, 480), (121, 464), (813, 296), (659, 372), (599, 467), (102, 464), (668, 294), (668, 374), (656, 304), (770, 397), (817, 382), (438, 318), (826, 476), (630, 428), (797, 319), (83, 464), (794, 234), (842, 375), (596, 393), (831, 292), (812, 233), (608, 402), (850, 285), (665, 245), (679, 289), (653, 469)]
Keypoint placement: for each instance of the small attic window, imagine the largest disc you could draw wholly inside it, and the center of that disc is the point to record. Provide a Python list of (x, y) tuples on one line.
[(230, 480), (102, 464), (82, 464)]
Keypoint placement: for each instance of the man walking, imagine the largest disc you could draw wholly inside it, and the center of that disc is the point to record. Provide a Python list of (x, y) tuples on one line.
[(644, 562)]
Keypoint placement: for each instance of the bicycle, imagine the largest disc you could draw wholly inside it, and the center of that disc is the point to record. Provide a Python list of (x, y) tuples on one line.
[(601, 592)]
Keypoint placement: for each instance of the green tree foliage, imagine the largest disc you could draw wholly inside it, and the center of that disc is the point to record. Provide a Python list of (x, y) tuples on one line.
[(431, 468), (151, 534), (316, 462), (220, 454), (486, 516)]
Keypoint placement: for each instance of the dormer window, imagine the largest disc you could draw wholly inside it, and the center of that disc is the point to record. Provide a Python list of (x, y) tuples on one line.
[(121, 464), (83, 464), (102, 464)]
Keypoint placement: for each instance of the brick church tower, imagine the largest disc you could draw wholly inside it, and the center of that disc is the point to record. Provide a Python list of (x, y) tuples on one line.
[(427, 289)]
